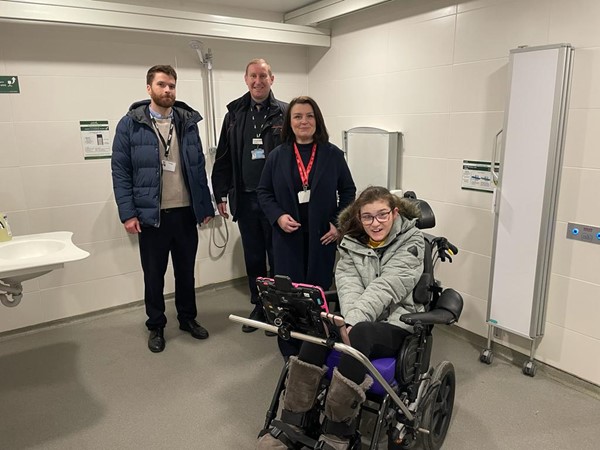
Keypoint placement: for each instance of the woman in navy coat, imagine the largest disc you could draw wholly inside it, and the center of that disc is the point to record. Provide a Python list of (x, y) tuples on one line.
[(304, 185)]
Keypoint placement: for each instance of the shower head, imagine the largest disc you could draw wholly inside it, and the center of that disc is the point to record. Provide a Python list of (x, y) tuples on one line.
[(197, 45)]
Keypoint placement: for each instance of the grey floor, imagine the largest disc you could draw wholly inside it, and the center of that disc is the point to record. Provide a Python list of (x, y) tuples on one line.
[(92, 384)]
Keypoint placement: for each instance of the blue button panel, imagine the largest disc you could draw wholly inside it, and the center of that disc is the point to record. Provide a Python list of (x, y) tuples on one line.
[(584, 233)]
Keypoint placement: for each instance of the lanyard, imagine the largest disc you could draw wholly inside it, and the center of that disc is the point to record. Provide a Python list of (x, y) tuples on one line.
[(264, 120), (167, 144), (305, 171)]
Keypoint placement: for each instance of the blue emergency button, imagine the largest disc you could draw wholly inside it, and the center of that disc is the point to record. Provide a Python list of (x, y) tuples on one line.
[(575, 231)]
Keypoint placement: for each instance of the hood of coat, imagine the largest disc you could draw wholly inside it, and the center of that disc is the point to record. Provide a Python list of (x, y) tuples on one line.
[(407, 209)]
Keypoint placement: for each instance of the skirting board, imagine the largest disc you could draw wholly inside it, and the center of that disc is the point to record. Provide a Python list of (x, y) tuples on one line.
[(517, 358)]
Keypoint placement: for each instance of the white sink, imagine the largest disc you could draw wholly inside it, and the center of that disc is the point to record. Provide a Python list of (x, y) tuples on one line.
[(24, 249), (29, 256)]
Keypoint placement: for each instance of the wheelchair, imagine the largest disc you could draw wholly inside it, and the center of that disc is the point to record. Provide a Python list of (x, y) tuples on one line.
[(410, 400)]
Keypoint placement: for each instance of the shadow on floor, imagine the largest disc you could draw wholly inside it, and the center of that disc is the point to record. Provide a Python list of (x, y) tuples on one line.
[(41, 391)]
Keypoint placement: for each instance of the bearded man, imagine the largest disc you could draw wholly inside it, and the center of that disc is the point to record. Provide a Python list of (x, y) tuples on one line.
[(162, 194)]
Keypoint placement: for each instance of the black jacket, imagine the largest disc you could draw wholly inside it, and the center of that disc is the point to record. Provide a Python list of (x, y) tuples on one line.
[(227, 170), (332, 189)]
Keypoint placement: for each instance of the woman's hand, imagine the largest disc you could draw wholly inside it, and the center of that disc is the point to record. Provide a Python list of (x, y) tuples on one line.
[(330, 236), (287, 223)]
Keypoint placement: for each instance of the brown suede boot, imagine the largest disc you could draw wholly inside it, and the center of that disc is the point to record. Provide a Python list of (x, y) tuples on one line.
[(342, 406), (302, 385)]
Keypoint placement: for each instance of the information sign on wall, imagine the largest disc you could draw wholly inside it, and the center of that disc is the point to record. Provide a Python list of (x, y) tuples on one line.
[(476, 175), (95, 139)]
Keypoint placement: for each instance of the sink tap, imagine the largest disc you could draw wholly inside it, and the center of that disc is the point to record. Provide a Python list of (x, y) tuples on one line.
[(5, 233)]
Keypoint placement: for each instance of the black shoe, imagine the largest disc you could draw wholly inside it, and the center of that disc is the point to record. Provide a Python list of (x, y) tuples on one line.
[(256, 314), (194, 328), (156, 341)]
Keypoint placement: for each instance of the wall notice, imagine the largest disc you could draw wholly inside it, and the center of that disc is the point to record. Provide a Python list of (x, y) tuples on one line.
[(476, 175), (9, 84), (94, 139)]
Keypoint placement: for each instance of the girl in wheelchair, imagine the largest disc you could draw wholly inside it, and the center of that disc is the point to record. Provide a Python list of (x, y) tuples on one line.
[(381, 261)]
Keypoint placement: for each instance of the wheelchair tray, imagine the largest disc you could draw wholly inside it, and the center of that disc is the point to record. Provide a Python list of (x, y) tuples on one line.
[(293, 306)]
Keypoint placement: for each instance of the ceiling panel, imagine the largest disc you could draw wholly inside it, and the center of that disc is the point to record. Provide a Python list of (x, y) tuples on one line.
[(212, 6)]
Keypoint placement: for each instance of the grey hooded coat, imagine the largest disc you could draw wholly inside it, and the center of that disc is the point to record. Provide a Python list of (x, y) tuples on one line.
[(375, 284)]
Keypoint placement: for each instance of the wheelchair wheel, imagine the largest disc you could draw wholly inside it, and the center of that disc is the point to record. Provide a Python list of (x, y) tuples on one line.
[(438, 410)]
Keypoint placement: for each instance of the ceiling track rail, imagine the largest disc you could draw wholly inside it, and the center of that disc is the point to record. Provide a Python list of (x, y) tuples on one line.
[(111, 15)]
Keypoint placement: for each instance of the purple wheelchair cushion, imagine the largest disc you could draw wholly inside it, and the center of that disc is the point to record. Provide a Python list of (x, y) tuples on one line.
[(385, 366)]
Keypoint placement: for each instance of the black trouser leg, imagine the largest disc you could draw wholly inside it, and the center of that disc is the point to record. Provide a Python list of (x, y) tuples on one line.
[(184, 246), (154, 254), (256, 233), (374, 340)]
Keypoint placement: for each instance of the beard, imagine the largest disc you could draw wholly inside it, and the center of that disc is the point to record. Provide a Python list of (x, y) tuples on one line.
[(163, 101)]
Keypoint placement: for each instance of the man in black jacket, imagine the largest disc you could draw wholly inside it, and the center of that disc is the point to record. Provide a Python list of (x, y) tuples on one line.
[(251, 129)]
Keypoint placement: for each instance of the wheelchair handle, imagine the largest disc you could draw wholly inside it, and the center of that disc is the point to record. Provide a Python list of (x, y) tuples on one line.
[(445, 248)]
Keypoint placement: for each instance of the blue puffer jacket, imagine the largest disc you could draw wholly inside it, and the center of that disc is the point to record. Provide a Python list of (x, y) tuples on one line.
[(137, 170)]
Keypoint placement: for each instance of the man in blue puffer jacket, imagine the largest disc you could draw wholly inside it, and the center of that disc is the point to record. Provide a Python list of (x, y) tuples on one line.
[(161, 189)]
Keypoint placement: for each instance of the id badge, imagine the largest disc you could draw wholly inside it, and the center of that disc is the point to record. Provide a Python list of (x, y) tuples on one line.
[(256, 141), (169, 166), (304, 196), (258, 153)]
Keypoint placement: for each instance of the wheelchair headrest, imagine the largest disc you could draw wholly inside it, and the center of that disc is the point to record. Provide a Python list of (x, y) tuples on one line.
[(427, 218), (451, 301)]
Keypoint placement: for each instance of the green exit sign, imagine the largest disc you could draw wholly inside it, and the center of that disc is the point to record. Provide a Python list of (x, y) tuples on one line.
[(9, 84)]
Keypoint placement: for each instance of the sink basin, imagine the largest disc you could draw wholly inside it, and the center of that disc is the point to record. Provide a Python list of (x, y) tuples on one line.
[(28, 256), (30, 249)]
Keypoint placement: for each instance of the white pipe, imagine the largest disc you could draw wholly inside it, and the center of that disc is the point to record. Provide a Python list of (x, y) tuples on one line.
[(206, 62)]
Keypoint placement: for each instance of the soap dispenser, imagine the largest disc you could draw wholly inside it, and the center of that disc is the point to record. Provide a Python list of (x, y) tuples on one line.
[(5, 233)]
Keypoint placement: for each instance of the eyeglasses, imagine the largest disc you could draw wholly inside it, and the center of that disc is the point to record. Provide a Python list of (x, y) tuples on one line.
[(367, 219)]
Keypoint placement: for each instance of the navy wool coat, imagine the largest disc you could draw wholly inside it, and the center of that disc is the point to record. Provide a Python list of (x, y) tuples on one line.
[(331, 181)]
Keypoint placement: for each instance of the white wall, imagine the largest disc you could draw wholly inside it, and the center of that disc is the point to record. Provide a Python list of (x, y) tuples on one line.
[(437, 71), (68, 74)]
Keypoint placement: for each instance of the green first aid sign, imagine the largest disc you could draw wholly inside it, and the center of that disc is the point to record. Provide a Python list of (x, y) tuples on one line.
[(9, 84)]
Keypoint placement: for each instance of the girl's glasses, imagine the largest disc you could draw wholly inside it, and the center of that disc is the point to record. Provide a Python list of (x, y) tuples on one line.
[(367, 219)]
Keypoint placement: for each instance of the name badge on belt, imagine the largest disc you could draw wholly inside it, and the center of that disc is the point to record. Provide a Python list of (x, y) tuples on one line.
[(258, 153), (169, 166), (304, 196)]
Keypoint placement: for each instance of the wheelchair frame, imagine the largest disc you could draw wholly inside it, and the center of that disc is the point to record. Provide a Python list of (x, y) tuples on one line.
[(404, 412), (409, 407)]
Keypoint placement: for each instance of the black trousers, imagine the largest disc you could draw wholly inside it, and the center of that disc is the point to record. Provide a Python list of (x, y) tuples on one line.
[(372, 339), (177, 235), (256, 233)]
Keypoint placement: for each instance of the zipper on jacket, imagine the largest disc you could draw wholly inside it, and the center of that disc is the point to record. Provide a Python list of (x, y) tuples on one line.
[(160, 175)]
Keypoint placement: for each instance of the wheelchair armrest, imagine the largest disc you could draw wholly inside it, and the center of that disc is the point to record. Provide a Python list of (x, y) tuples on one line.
[(447, 310), (435, 317)]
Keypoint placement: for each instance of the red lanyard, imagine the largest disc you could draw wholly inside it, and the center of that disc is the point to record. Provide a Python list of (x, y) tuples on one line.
[(305, 171)]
